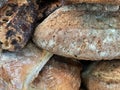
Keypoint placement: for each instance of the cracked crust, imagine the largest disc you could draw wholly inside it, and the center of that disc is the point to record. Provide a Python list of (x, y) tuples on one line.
[(103, 75), (73, 31), (17, 22)]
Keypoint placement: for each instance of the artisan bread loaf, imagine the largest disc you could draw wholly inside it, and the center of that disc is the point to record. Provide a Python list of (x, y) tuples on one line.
[(18, 69), (103, 75), (58, 74), (73, 31), (17, 20)]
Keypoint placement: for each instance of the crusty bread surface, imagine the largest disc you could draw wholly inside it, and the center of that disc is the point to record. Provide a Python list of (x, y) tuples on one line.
[(18, 69), (17, 18), (74, 31), (58, 75), (103, 75)]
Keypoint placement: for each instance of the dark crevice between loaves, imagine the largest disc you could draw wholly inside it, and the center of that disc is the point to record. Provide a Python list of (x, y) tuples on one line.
[(85, 65), (46, 7), (0, 49)]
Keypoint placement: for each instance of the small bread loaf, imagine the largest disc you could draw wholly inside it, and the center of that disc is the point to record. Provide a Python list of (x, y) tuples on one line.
[(73, 31), (117, 2), (17, 19), (103, 75), (58, 74), (18, 69)]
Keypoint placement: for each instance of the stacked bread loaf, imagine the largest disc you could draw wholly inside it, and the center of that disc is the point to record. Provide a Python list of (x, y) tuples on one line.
[(59, 45)]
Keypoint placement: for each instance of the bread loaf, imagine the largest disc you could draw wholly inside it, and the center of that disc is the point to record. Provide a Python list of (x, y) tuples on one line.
[(103, 75), (73, 31), (17, 20), (58, 74), (18, 69)]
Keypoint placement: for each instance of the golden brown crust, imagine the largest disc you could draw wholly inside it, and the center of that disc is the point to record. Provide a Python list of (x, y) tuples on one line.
[(18, 69), (73, 31), (17, 18), (58, 75), (103, 75)]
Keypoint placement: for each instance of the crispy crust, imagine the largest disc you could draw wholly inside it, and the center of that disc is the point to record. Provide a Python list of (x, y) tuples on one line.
[(103, 75), (17, 22), (73, 31), (58, 75)]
